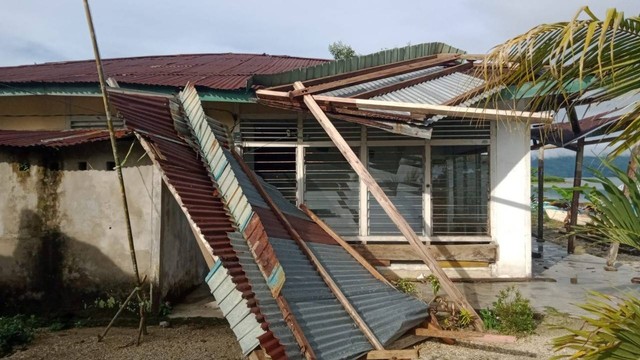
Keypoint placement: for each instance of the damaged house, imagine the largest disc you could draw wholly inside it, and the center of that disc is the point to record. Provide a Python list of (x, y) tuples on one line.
[(199, 212)]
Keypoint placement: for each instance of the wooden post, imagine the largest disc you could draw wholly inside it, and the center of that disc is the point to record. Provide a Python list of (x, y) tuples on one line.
[(389, 208), (631, 172), (324, 274), (540, 198), (575, 200)]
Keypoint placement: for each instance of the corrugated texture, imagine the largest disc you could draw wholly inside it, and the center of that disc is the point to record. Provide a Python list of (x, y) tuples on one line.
[(25, 138), (185, 172), (219, 164), (388, 312), (234, 308), (329, 329), (215, 71), (355, 63)]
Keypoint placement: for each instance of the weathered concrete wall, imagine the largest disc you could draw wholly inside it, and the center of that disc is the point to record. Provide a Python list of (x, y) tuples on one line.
[(183, 266), (45, 112), (62, 230)]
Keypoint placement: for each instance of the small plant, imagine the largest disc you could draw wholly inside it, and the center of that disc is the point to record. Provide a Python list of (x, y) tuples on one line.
[(435, 284), (489, 319), (406, 286), (457, 320), (57, 326), (513, 312), (15, 331)]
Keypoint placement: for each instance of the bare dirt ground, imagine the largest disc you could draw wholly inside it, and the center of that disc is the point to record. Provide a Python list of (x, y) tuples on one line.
[(204, 341)]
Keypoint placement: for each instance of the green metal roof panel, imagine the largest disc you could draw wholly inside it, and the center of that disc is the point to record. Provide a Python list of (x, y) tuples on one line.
[(355, 63)]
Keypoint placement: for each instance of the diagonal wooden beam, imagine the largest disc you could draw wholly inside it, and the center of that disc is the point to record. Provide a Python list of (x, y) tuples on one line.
[(345, 75), (359, 79), (389, 208), (410, 82)]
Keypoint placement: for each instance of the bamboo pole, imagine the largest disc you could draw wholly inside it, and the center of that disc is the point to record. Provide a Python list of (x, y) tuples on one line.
[(116, 159), (389, 208)]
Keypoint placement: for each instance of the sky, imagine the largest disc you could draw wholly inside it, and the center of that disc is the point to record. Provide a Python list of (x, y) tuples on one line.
[(36, 31)]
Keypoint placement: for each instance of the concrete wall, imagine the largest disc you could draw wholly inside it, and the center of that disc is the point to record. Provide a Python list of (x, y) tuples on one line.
[(511, 198), (46, 112), (182, 266), (63, 234)]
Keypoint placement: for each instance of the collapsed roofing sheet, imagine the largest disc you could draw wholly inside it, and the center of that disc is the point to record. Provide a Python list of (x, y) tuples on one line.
[(50, 138), (326, 325), (217, 71), (561, 134), (185, 174)]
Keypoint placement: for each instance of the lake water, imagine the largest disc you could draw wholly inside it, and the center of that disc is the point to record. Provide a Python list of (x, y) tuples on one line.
[(550, 193)]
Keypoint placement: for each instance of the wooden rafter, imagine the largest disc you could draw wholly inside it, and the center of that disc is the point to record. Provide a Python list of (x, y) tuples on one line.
[(386, 204), (359, 79), (349, 74), (410, 82)]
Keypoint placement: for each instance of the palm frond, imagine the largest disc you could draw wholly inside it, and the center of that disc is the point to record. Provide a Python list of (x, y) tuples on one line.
[(551, 56)]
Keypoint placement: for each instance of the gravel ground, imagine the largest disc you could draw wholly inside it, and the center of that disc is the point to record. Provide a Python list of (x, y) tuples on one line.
[(536, 346), (180, 342)]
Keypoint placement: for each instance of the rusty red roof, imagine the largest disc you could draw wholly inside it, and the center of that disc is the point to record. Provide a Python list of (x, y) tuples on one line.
[(26, 138), (217, 71)]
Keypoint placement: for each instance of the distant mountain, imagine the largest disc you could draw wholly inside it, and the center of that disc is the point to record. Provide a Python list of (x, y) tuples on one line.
[(564, 166)]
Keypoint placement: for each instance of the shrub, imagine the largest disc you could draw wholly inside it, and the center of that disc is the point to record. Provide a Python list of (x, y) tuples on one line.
[(614, 331), (406, 286), (513, 312), (489, 319), (15, 331)]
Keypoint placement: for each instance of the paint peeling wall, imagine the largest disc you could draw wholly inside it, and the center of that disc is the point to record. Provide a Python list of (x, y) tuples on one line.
[(62, 230)]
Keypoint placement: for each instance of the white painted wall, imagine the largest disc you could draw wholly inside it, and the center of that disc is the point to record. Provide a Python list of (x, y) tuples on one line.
[(511, 199)]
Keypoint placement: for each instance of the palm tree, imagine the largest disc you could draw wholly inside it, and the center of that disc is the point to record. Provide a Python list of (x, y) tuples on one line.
[(585, 57)]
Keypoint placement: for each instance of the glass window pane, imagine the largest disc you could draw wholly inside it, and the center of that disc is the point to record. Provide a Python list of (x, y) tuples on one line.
[(399, 170), (460, 189), (332, 189)]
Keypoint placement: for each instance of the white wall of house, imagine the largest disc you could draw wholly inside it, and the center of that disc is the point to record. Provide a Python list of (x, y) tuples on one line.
[(511, 198)]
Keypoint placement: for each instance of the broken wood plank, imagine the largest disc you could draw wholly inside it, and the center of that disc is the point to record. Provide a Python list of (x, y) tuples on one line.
[(393, 354), (389, 208), (466, 335), (381, 74), (472, 113), (406, 341), (324, 274), (405, 252), (372, 270), (372, 69), (410, 82)]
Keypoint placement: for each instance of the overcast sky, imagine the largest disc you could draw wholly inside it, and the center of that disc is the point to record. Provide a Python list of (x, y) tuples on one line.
[(35, 31)]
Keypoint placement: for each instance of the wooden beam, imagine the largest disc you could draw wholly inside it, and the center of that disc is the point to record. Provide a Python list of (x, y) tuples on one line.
[(356, 255), (390, 209), (381, 74), (540, 197), (345, 75), (423, 109), (461, 112), (577, 181), (405, 252), (410, 82), (393, 354), (466, 335), (324, 274), (393, 127)]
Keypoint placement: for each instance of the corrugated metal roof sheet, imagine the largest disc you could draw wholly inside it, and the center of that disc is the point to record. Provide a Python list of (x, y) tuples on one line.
[(26, 138), (329, 329), (216, 71), (355, 63), (184, 171)]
